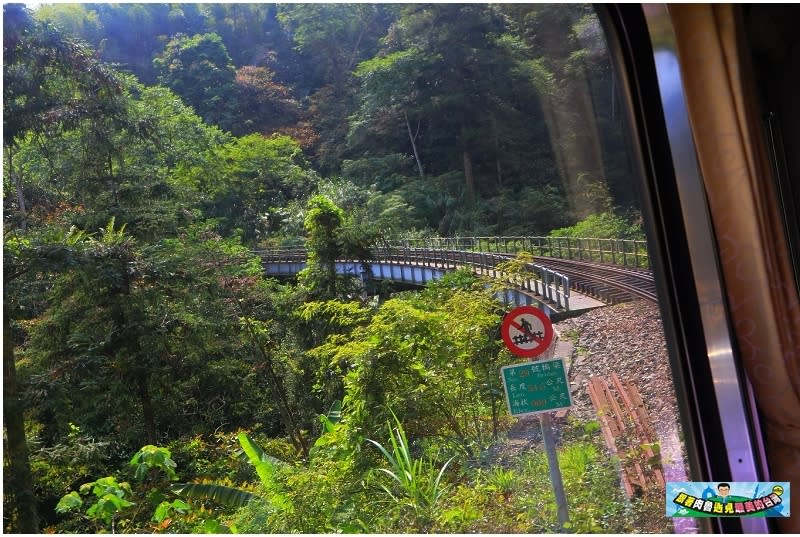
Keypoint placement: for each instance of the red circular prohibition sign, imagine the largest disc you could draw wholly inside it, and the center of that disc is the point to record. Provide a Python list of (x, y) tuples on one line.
[(527, 331)]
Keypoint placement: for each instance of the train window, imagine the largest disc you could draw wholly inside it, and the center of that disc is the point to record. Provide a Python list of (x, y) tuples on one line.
[(618, 355), (622, 145), (712, 200)]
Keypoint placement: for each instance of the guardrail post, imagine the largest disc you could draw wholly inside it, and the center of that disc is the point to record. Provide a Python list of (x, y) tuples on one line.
[(560, 293), (546, 281), (448, 252)]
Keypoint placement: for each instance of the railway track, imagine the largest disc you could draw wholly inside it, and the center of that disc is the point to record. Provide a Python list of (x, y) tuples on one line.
[(608, 283)]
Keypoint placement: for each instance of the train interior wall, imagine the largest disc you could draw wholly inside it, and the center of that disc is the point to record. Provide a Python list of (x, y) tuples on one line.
[(775, 48)]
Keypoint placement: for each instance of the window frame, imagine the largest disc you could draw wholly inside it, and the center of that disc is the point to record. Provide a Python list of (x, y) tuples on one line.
[(707, 372)]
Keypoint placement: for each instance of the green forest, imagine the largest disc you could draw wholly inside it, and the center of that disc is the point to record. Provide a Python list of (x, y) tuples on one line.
[(156, 381)]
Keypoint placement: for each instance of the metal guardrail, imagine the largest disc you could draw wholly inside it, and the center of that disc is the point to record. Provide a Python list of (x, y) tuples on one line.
[(484, 254), (622, 252), (542, 281)]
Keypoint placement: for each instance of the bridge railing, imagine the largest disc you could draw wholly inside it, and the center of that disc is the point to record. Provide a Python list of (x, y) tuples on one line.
[(540, 281), (282, 254), (623, 252)]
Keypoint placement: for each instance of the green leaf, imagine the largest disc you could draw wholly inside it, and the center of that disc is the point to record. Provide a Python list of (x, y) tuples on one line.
[(69, 502), (164, 508), (260, 460), (154, 457), (213, 526), (227, 496), (335, 412), (162, 511)]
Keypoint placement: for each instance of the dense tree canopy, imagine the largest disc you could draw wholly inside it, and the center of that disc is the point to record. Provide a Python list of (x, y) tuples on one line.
[(149, 149)]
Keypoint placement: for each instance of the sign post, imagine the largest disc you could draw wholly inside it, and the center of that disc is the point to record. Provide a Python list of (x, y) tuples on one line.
[(536, 387)]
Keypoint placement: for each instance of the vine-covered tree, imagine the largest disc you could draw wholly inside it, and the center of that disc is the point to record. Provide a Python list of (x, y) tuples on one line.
[(323, 224)]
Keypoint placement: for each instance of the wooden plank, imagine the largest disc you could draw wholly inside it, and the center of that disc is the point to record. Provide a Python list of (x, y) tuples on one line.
[(626, 484), (614, 418), (620, 415), (601, 389), (601, 405), (639, 414), (608, 435), (646, 432), (636, 398)]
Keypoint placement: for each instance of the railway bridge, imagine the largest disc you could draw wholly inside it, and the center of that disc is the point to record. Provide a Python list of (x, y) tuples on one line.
[(564, 274)]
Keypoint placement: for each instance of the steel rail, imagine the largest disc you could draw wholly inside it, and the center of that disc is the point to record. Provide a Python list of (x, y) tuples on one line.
[(585, 276), (551, 277)]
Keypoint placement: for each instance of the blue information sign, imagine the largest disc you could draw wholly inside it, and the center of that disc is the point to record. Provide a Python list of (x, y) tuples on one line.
[(534, 387)]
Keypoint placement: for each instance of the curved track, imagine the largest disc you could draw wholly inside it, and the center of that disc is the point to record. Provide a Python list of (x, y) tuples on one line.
[(606, 282), (603, 281)]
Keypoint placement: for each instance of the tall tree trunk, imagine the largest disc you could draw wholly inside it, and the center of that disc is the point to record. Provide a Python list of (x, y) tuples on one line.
[(140, 377), (469, 177), (27, 518), (17, 178), (413, 139), (279, 391), (573, 131), (498, 165), (148, 414)]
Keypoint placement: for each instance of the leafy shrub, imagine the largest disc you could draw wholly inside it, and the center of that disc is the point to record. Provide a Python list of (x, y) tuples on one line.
[(605, 225), (415, 487)]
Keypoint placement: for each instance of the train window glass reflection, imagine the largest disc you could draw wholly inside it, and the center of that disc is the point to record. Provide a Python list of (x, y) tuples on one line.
[(611, 332)]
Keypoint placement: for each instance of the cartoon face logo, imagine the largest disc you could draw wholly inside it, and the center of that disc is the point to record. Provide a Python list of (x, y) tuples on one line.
[(777, 489)]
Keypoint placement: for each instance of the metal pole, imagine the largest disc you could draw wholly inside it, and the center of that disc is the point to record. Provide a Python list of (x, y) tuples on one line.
[(552, 462), (555, 471)]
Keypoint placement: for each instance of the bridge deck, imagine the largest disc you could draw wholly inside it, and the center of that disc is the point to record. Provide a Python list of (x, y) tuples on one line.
[(419, 273), (579, 302)]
